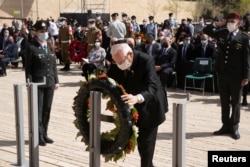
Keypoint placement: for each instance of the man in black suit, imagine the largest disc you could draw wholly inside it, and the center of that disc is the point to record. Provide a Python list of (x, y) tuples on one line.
[(165, 62), (185, 60), (152, 47), (232, 65), (9, 53), (136, 72), (40, 63)]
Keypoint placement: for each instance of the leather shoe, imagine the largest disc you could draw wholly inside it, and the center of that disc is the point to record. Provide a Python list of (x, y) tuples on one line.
[(222, 131), (236, 135), (42, 141), (48, 140)]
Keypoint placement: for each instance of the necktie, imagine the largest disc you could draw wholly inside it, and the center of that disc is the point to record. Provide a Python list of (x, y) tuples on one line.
[(230, 37), (203, 51), (184, 53)]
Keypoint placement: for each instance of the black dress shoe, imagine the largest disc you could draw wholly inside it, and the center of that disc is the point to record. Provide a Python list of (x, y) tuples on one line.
[(42, 141), (236, 135), (48, 140), (222, 131)]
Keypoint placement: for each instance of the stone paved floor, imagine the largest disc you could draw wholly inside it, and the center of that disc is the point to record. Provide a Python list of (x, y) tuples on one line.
[(202, 118)]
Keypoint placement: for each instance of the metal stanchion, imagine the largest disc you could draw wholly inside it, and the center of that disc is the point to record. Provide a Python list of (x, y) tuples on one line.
[(19, 124), (95, 119), (179, 133), (33, 123)]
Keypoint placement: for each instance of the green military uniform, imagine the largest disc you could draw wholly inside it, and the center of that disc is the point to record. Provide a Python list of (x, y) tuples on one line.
[(92, 34), (64, 40)]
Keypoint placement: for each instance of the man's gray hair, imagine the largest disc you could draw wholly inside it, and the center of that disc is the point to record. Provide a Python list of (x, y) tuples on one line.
[(123, 49)]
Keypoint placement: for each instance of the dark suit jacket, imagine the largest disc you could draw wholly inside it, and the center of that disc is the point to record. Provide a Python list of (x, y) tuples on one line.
[(142, 79), (11, 50), (233, 58), (40, 64), (155, 49), (210, 51), (166, 60), (141, 47)]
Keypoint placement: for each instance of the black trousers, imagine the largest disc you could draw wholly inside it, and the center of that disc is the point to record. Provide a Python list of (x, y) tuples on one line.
[(146, 145), (88, 69), (45, 98), (230, 90)]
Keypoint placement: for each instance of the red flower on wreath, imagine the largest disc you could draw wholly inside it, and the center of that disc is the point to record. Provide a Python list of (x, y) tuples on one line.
[(77, 51)]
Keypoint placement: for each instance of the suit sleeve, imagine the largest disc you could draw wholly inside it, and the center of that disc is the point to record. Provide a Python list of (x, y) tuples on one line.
[(28, 65)]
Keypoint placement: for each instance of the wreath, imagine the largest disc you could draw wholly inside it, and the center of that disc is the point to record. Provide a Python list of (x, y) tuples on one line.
[(77, 51), (119, 141)]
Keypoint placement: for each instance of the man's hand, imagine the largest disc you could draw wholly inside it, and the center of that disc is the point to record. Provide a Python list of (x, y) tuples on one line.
[(244, 82), (130, 99), (56, 86), (157, 68)]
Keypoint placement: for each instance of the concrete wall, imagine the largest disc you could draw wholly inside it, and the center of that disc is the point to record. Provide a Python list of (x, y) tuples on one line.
[(141, 8)]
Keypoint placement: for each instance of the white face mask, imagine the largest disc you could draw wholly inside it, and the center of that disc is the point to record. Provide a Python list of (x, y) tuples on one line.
[(125, 65), (138, 41), (43, 36), (231, 27)]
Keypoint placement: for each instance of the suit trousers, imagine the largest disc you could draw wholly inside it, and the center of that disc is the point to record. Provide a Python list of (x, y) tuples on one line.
[(65, 53), (230, 90), (146, 145), (45, 98)]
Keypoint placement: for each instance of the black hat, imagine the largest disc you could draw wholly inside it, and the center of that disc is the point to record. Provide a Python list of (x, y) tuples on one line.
[(124, 15), (170, 14), (41, 25), (188, 19), (151, 17), (114, 14), (133, 17)]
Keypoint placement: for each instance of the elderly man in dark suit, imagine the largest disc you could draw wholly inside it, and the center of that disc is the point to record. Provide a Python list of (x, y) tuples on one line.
[(9, 53), (136, 72), (232, 65), (40, 63)]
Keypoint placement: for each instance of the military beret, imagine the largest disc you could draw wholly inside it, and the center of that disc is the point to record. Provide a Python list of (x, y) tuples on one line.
[(124, 15), (133, 17), (170, 14), (91, 20), (114, 14), (41, 25), (234, 16), (151, 17), (188, 19)]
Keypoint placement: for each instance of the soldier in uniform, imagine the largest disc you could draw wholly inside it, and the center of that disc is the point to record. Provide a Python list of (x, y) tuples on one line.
[(93, 34), (232, 65), (99, 22), (152, 27), (64, 39), (40, 63)]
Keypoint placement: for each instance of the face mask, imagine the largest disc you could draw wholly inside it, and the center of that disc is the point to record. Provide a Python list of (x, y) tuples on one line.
[(43, 36), (91, 25), (151, 21), (97, 44), (79, 29), (125, 65), (138, 41), (186, 42), (6, 34), (98, 18), (161, 38), (144, 23), (124, 18), (231, 27)]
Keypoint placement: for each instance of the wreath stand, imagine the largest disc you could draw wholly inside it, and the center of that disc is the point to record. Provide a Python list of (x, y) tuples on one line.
[(95, 124)]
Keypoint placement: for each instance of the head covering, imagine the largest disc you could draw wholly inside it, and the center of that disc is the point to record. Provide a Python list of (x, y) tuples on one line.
[(151, 17), (170, 14), (124, 15), (188, 19), (114, 14), (41, 25), (234, 16), (133, 17), (91, 20)]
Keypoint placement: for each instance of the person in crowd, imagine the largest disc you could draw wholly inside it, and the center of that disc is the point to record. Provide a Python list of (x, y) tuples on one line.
[(136, 26), (131, 42), (152, 27), (184, 61), (165, 62), (64, 39), (190, 26), (172, 22), (79, 34), (15, 23), (95, 60), (232, 65), (29, 24), (205, 48), (128, 25), (136, 72), (152, 47), (139, 45), (160, 37), (53, 29), (92, 34), (99, 22), (105, 38), (3, 39), (40, 64), (116, 28), (167, 28), (182, 29), (143, 27), (10, 52), (201, 24)]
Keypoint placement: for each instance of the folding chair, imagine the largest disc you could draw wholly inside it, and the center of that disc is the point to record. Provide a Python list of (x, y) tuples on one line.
[(202, 70)]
